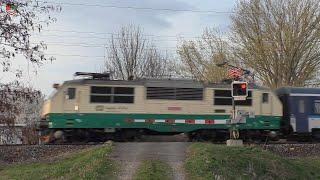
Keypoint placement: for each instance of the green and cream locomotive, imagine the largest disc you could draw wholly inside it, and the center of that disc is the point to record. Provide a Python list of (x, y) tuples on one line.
[(98, 108)]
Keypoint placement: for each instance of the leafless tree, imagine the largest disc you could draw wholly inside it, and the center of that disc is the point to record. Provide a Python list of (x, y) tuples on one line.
[(131, 55), (16, 29), (19, 105), (200, 57), (278, 39)]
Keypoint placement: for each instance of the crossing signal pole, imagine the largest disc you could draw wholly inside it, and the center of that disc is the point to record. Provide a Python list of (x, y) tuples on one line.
[(239, 92)]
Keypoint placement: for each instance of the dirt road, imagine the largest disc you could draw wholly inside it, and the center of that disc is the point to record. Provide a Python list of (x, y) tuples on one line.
[(129, 155)]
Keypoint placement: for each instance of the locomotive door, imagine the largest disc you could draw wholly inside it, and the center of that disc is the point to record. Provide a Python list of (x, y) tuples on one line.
[(266, 104), (69, 100)]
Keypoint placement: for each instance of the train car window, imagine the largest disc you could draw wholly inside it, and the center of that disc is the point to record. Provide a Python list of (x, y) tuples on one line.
[(100, 99), (222, 93), (100, 90), (223, 101), (265, 97), (123, 90), (247, 102), (223, 97), (174, 93), (301, 106), (71, 93), (123, 99), (112, 94), (316, 108)]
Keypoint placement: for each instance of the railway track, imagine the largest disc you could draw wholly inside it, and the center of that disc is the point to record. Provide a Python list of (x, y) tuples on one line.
[(179, 138)]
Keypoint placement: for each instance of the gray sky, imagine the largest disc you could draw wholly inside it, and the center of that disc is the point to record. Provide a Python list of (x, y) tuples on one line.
[(78, 37)]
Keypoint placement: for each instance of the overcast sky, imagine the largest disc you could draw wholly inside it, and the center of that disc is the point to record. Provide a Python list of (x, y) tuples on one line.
[(78, 39)]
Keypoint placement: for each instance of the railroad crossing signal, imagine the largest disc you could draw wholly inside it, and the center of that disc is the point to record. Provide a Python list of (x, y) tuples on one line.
[(235, 72), (239, 90)]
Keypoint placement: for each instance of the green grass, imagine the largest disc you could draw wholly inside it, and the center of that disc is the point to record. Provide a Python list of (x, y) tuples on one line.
[(153, 170), (209, 161), (92, 163)]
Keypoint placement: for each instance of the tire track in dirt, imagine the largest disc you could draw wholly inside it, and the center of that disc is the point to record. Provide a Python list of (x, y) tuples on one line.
[(129, 156)]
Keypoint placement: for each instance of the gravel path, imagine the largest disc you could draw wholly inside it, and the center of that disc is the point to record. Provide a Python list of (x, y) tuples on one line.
[(131, 154)]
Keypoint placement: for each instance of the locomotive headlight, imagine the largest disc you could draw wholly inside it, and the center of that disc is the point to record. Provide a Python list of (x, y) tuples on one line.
[(50, 124)]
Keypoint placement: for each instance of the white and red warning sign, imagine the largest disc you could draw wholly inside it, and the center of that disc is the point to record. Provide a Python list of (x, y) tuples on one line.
[(235, 72)]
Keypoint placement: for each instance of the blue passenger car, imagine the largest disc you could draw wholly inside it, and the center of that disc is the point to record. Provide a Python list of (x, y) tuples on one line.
[(301, 109)]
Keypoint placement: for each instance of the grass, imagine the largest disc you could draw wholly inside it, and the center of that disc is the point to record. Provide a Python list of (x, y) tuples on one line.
[(209, 161), (92, 163), (153, 170)]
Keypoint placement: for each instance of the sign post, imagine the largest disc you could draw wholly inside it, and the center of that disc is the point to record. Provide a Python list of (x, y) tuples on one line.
[(239, 92)]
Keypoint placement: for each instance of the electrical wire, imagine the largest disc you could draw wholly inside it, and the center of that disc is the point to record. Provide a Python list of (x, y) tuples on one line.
[(139, 8)]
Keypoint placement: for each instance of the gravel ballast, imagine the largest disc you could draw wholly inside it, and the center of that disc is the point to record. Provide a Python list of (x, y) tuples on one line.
[(294, 150)]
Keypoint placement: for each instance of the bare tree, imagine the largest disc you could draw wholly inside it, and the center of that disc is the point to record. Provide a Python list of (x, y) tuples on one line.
[(199, 57), (278, 39), (16, 29), (19, 105), (132, 56)]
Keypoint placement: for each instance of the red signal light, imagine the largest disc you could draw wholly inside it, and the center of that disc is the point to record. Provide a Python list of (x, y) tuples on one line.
[(243, 86), (239, 89)]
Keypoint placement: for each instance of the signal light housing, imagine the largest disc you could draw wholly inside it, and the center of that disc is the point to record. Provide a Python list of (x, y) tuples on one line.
[(239, 89)]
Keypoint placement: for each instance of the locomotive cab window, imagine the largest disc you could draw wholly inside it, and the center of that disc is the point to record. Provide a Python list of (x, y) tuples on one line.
[(265, 97), (100, 94), (223, 97), (71, 93)]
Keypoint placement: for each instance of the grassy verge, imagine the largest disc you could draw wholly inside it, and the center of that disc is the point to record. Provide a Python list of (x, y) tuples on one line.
[(153, 170), (91, 163), (208, 161)]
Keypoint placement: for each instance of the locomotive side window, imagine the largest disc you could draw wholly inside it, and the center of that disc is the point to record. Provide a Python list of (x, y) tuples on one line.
[(316, 107), (123, 95), (71, 93), (265, 97), (111, 94), (100, 90), (123, 90), (100, 99), (223, 97), (174, 93)]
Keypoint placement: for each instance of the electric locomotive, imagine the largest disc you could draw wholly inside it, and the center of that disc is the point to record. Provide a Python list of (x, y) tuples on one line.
[(97, 108)]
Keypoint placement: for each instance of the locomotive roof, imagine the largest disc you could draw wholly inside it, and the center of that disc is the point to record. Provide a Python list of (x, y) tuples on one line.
[(179, 83), (297, 90)]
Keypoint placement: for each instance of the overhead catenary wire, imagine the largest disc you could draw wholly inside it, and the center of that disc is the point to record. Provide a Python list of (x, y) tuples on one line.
[(74, 55), (117, 34), (99, 45), (77, 55), (139, 8)]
